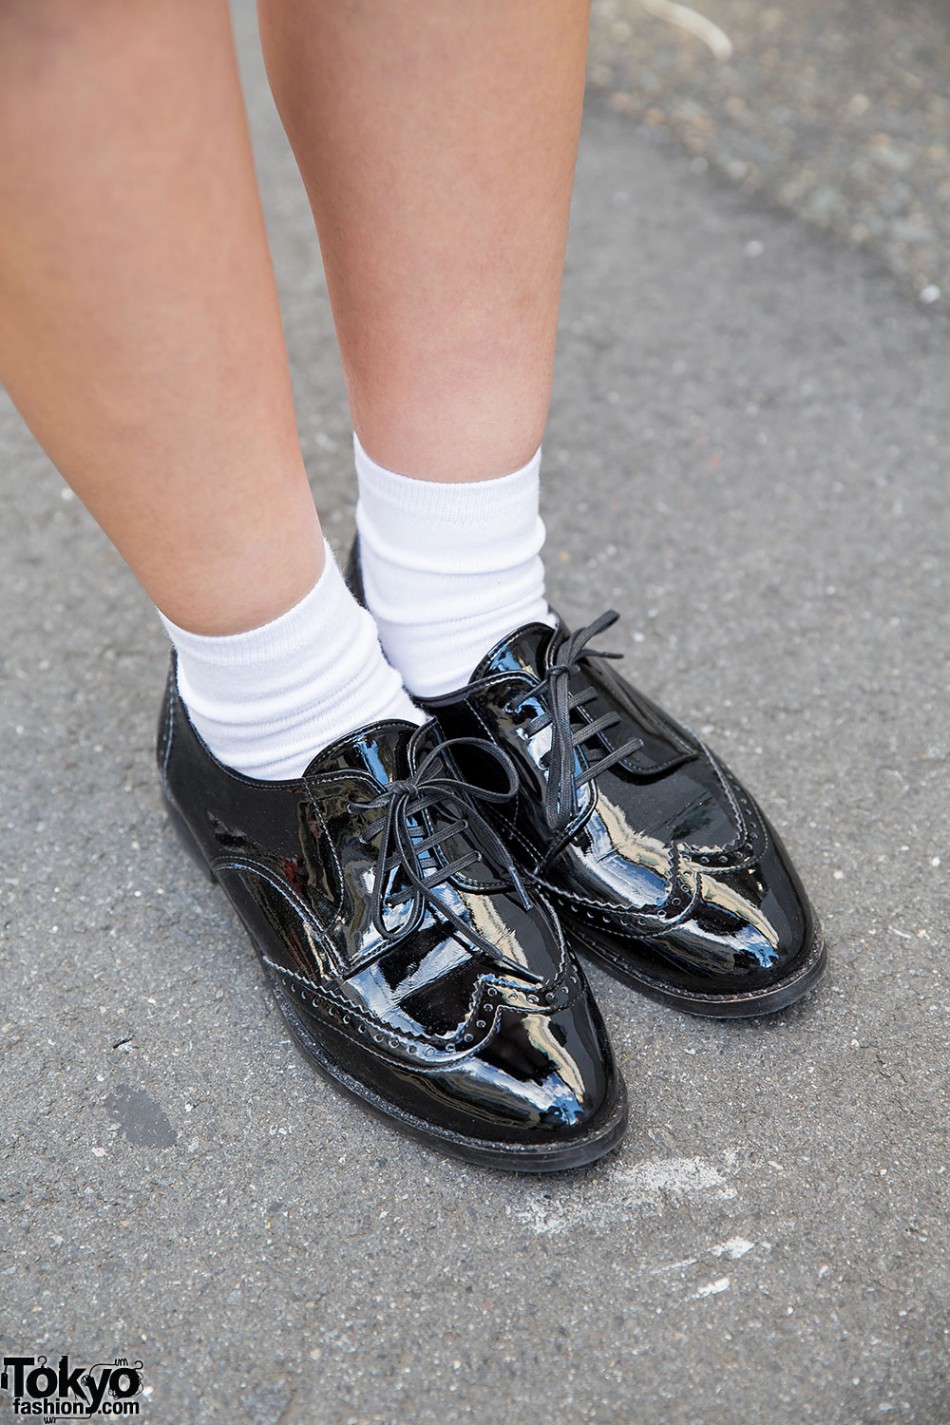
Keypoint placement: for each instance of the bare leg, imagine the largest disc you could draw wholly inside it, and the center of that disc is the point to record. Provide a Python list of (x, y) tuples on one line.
[(139, 329), (437, 141)]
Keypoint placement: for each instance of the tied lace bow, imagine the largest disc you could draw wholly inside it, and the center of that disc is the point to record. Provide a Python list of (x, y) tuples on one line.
[(403, 803), (561, 802)]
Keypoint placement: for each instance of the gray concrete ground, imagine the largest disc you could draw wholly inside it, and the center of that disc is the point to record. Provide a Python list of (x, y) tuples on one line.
[(747, 455), (836, 110)]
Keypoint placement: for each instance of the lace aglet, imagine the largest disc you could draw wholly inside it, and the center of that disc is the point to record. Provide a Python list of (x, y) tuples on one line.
[(516, 968), (524, 899)]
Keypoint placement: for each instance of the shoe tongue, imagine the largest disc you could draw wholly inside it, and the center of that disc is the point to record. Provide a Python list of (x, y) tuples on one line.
[(522, 651), (380, 748)]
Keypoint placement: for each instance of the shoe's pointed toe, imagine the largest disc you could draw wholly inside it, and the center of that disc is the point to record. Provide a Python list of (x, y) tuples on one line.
[(534, 1091), (547, 1076), (526, 1080), (747, 944)]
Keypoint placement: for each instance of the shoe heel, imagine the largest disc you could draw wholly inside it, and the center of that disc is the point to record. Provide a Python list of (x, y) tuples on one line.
[(186, 837)]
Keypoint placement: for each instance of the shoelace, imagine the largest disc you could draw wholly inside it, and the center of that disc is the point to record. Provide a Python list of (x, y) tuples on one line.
[(402, 803), (561, 803)]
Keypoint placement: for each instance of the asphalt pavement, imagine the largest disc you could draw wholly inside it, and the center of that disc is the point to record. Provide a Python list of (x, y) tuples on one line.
[(837, 111), (747, 456)]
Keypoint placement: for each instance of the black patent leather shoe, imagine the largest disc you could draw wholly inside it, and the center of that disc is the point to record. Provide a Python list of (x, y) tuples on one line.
[(659, 863), (400, 943)]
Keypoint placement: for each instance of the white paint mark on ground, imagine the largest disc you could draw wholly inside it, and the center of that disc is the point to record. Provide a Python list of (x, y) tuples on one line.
[(685, 18), (735, 1248), (648, 1184), (674, 1266), (711, 1289), (680, 1176)]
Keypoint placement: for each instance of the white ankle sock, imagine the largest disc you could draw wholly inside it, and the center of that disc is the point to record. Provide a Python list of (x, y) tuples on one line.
[(268, 700), (448, 569)]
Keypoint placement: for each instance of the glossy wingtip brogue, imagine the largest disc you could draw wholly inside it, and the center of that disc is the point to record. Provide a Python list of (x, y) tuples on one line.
[(658, 861), (409, 961)]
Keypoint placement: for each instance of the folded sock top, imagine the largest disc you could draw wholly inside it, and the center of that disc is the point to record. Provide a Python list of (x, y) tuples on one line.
[(266, 700), (449, 568)]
